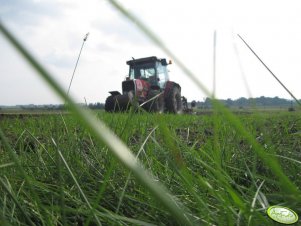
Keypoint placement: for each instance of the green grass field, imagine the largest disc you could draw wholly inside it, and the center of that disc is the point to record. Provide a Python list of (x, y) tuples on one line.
[(203, 161)]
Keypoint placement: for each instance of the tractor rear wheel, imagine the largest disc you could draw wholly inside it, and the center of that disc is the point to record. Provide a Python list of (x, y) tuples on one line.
[(157, 104), (173, 101)]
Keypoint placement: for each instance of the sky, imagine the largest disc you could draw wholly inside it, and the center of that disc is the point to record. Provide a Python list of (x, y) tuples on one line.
[(53, 31)]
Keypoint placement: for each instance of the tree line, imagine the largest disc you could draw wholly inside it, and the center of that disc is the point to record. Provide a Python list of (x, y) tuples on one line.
[(243, 102), (51, 106)]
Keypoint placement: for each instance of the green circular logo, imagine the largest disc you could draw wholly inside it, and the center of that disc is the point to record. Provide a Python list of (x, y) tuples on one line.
[(282, 214)]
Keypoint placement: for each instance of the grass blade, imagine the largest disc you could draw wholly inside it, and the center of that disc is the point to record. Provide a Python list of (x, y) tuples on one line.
[(76, 183), (29, 221)]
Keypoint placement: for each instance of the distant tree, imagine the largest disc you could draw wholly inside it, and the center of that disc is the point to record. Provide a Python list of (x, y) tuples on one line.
[(207, 103), (58, 107), (96, 106), (229, 102), (242, 102), (247, 102), (193, 103)]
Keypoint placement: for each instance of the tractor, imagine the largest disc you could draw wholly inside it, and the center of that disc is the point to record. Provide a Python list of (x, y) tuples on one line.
[(148, 86)]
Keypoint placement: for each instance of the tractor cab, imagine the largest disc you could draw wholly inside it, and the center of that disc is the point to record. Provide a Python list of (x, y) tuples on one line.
[(150, 69)]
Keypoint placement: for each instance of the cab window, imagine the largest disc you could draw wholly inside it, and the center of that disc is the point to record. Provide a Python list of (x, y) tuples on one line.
[(142, 71), (162, 75)]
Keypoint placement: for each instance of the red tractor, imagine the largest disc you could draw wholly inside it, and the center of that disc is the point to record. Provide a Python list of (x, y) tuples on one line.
[(148, 86)]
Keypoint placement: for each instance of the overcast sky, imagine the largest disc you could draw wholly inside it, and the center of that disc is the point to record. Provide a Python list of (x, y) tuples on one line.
[(54, 30)]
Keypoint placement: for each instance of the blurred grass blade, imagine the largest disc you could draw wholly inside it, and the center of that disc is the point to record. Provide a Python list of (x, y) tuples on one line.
[(278, 80), (241, 69), (103, 133), (214, 65), (6, 165)]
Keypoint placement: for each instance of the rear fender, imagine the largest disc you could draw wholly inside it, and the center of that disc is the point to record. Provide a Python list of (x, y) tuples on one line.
[(114, 93)]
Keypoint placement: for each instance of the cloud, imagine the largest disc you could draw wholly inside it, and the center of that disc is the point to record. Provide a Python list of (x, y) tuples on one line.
[(28, 12)]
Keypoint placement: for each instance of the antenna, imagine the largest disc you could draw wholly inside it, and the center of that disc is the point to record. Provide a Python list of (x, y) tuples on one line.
[(84, 40)]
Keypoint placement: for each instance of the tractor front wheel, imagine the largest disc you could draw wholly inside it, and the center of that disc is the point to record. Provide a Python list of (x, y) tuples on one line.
[(117, 103)]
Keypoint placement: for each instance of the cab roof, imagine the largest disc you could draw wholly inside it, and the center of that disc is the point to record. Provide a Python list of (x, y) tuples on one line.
[(147, 60)]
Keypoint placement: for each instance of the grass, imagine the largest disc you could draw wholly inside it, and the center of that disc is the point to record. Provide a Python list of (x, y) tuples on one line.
[(142, 169), (83, 180)]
